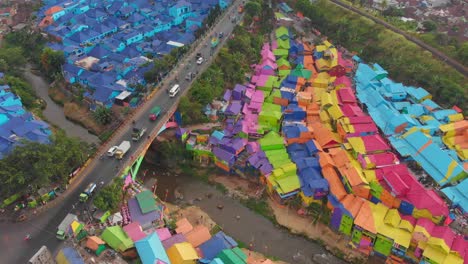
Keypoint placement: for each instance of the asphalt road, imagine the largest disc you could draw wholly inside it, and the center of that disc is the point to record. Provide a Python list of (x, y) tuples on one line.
[(14, 249)]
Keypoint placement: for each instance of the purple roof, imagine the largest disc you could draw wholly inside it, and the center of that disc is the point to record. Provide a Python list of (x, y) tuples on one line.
[(234, 108), (135, 213), (223, 154), (227, 95), (238, 91), (178, 238), (265, 167)]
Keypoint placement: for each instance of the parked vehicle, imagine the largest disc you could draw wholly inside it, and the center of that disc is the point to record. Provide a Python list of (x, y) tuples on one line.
[(137, 133), (214, 42), (154, 113), (188, 77), (122, 149), (174, 90), (63, 228), (112, 151), (200, 60), (84, 196), (221, 35)]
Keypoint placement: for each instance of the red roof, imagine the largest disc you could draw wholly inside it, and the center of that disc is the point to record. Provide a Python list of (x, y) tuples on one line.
[(53, 10)]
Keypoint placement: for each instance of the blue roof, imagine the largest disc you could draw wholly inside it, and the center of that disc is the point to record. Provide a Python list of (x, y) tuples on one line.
[(151, 249), (458, 195), (229, 242), (435, 161), (99, 52), (417, 93), (212, 247)]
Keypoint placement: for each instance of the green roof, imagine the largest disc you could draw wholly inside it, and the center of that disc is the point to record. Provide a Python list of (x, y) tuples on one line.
[(228, 256), (272, 138), (282, 32), (287, 184), (301, 72), (239, 253), (116, 238), (283, 44), (146, 202), (281, 52)]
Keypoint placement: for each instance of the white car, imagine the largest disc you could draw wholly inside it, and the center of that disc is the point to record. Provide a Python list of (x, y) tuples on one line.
[(200, 60), (112, 151)]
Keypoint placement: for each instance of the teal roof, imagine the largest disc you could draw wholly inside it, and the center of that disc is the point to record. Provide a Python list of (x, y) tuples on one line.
[(151, 249)]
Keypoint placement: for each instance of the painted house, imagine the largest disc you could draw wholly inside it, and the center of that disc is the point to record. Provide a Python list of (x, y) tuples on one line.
[(151, 250)]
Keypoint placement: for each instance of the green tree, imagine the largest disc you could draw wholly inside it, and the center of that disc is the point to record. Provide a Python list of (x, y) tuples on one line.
[(429, 25), (51, 62), (463, 53), (23, 90), (33, 165), (3, 65), (13, 57), (253, 8), (110, 197), (103, 115)]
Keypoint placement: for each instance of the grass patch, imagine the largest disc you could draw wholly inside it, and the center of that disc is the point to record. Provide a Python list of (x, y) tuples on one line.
[(106, 135), (215, 230), (260, 207), (221, 188), (241, 244)]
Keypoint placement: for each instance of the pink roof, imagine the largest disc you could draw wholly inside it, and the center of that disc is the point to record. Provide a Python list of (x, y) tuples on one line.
[(344, 62), (427, 199), (380, 160), (409, 218), (258, 96), (426, 223), (445, 233), (374, 143), (343, 80), (264, 71), (134, 231), (274, 45), (346, 95), (262, 79), (460, 245), (393, 179), (350, 110), (163, 233)]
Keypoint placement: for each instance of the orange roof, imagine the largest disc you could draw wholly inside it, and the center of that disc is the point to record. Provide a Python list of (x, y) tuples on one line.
[(365, 218), (93, 242), (325, 160), (199, 235), (352, 203), (183, 226), (339, 157), (53, 10), (336, 186), (325, 137)]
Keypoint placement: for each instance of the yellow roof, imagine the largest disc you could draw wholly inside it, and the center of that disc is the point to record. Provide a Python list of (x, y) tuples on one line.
[(392, 218), (75, 225), (335, 112), (453, 259), (434, 254), (327, 43), (186, 251), (438, 242), (320, 48), (326, 100), (406, 225)]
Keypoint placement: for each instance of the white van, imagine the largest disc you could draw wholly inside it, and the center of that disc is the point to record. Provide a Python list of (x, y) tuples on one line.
[(174, 90)]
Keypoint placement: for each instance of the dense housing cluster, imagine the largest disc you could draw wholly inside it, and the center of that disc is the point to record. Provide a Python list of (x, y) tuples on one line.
[(305, 127), (109, 45), (16, 123)]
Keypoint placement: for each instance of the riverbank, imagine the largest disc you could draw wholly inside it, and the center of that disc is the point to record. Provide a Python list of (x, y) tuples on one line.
[(235, 218), (53, 112)]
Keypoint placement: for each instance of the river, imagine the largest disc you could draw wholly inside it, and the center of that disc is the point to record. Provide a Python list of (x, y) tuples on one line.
[(252, 228), (54, 112)]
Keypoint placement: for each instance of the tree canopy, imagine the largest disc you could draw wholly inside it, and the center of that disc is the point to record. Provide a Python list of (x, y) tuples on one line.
[(33, 165), (227, 69), (109, 197)]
